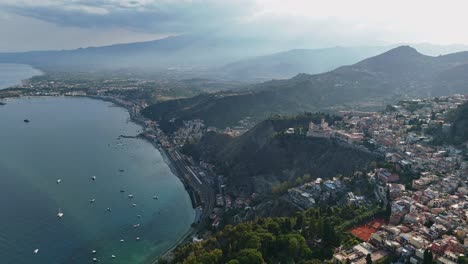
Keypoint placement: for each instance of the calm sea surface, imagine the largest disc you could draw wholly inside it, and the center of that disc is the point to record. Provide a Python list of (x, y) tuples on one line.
[(73, 139), (12, 74)]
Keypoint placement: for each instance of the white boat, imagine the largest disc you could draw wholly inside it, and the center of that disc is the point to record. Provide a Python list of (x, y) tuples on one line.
[(121, 240), (113, 256), (92, 200), (134, 205), (155, 197), (135, 226), (130, 196), (60, 213), (138, 238), (139, 216), (93, 178), (94, 251), (95, 260), (59, 181), (36, 251)]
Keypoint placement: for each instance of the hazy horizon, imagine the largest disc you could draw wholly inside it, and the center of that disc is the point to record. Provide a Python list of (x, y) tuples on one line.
[(57, 25)]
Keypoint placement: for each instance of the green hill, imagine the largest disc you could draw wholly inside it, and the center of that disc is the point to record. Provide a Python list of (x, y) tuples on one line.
[(307, 238), (265, 156), (399, 73)]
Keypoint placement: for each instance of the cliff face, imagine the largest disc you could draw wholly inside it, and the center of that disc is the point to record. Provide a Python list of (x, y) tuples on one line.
[(265, 156)]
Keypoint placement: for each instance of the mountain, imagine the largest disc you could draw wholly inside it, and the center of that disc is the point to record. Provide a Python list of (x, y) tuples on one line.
[(183, 51), (265, 155), (369, 84), (287, 64), (206, 55)]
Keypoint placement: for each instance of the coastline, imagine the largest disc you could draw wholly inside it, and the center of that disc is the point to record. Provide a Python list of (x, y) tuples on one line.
[(139, 120), (172, 166), (200, 214)]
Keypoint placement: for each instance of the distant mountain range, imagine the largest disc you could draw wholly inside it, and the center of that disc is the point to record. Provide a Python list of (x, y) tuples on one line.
[(210, 56), (283, 65), (176, 52), (287, 64), (400, 73)]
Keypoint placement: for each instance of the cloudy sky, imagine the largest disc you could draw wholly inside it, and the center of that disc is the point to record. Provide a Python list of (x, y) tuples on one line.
[(65, 24)]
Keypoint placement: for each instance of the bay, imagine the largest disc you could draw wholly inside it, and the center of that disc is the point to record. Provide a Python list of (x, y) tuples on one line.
[(73, 139)]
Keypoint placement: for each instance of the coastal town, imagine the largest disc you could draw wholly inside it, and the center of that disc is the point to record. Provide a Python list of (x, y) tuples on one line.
[(234, 132), (424, 184)]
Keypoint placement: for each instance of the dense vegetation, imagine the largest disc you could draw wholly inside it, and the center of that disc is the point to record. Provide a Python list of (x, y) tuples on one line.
[(222, 109), (265, 155), (308, 237), (379, 80)]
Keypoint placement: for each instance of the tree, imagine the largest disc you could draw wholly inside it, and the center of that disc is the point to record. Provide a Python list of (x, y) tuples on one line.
[(299, 222), (313, 261), (213, 256), (330, 238), (388, 209), (463, 260), (368, 259), (250, 256), (427, 257), (286, 225)]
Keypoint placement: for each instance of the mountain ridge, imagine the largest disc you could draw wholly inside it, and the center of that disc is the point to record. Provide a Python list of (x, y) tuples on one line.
[(373, 82), (207, 55)]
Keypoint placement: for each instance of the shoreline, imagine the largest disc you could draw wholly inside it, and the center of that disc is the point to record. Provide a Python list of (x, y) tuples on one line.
[(152, 258), (172, 166), (175, 171)]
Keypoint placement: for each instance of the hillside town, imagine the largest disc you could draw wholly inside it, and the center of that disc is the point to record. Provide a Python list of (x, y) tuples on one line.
[(426, 184)]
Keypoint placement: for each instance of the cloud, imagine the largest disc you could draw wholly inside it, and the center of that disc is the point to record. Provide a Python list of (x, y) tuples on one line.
[(160, 16), (391, 21), (26, 33), (284, 23)]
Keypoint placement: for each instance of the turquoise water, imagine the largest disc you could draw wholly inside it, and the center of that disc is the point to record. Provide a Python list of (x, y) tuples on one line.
[(12, 74), (73, 139)]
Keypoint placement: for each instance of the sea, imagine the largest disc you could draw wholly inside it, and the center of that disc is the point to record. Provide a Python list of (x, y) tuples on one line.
[(47, 166), (13, 74)]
